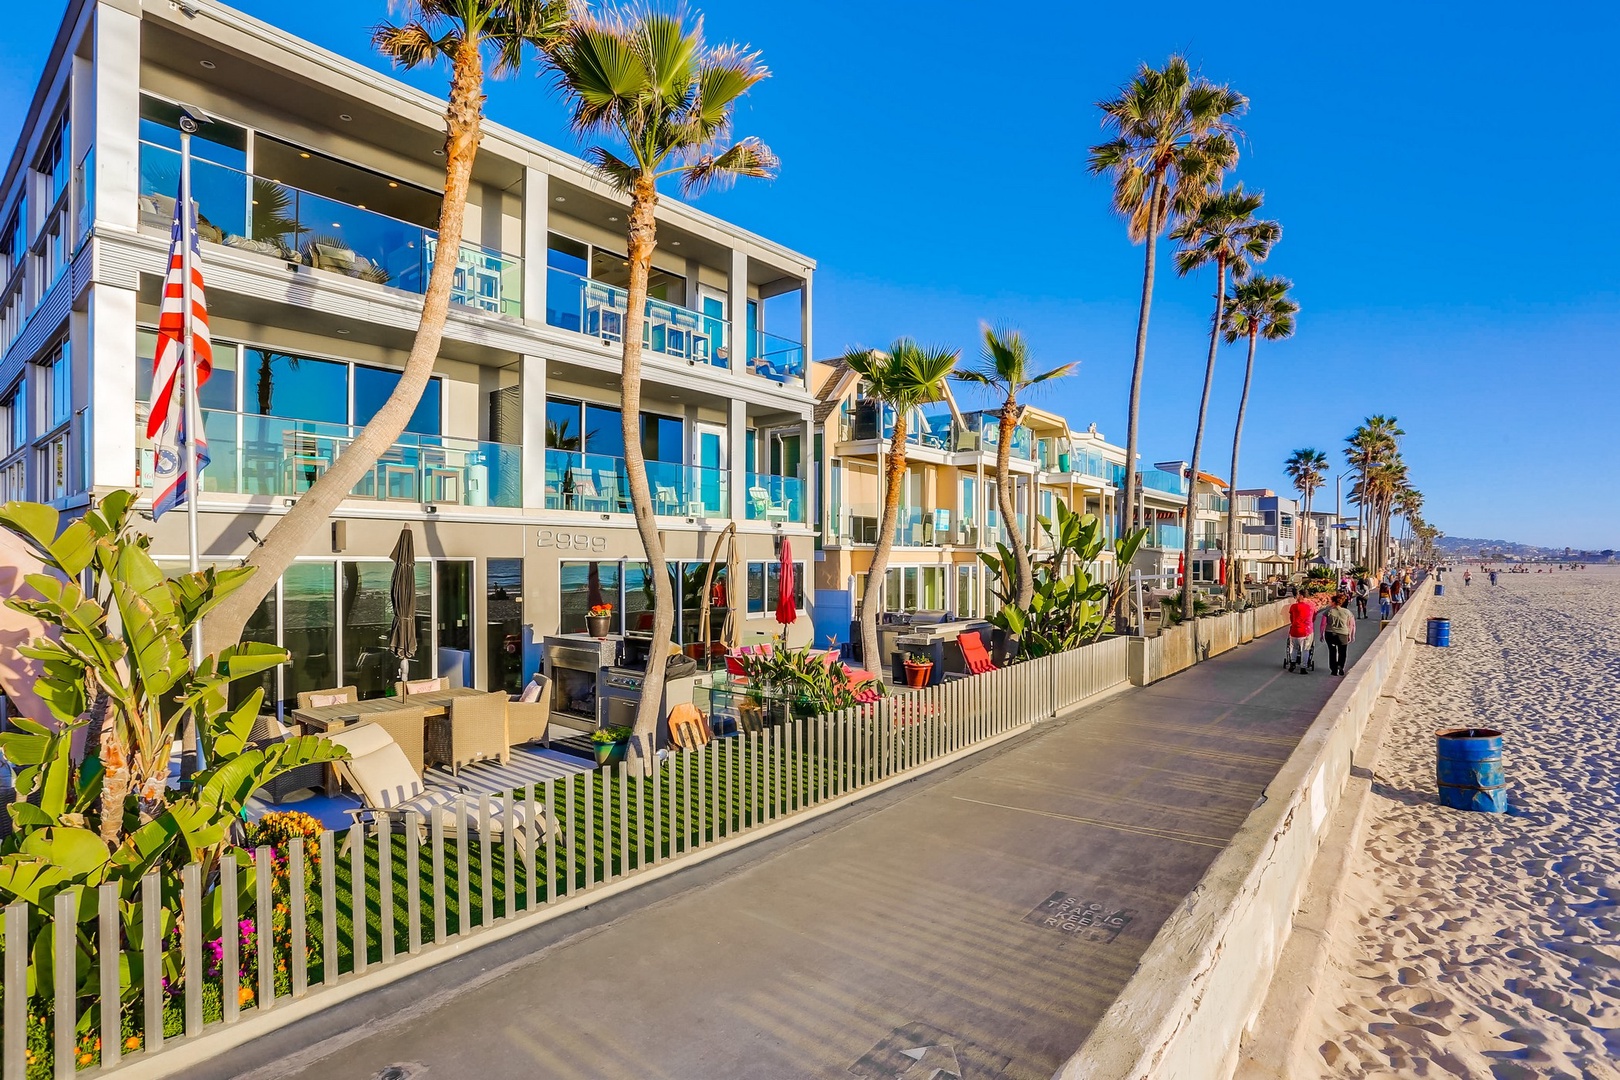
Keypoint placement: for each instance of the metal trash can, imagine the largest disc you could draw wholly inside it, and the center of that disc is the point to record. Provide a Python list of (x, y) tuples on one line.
[(1439, 590), (1439, 632), (1468, 767)]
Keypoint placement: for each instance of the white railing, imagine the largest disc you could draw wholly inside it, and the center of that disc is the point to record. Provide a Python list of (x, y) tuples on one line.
[(435, 884)]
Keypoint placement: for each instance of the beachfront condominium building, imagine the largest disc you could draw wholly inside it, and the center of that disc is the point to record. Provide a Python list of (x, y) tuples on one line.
[(948, 506), (1268, 533), (318, 185)]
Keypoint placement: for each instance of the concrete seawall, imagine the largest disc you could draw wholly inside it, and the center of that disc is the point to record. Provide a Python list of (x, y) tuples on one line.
[(1180, 647), (1204, 978)]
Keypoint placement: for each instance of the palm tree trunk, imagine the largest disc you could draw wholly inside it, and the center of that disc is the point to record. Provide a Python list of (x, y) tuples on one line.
[(315, 507), (1135, 411), (1025, 584), (1187, 609), (1237, 439), (894, 475), (643, 238)]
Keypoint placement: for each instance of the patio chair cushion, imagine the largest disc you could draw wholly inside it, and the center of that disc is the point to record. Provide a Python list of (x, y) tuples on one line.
[(317, 701), (501, 812), (377, 766), (423, 686), (974, 655), (531, 693)]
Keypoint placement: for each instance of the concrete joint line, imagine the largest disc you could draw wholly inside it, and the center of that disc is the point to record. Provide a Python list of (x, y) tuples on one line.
[(181, 1053)]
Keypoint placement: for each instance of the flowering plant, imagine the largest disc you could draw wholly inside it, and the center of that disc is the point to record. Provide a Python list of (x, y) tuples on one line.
[(601, 609)]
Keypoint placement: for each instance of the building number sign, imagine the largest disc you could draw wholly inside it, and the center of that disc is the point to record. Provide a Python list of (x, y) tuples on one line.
[(570, 541)]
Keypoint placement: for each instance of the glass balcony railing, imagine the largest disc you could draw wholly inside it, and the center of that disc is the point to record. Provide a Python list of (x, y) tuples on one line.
[(598, 483), (598, 309), (1169, 537), (776, 358), (1160, 480), (916, 527), (1087, 463), (989, 427), (252, 213), (272, 455), (1215, 503), (775, 498)]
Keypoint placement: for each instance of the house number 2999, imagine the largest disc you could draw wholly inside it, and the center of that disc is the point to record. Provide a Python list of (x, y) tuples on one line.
[(570, 541)]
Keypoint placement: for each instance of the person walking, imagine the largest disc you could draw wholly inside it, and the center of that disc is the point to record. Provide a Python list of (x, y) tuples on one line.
[(1383, 600), (1493, 577), (1362, 592), (1301, 626), (1337, 627), (1468, 577)]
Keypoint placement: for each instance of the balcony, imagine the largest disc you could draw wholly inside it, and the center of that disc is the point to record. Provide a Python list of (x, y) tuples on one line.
[(285, 223), (988, 425), (1160, 480), (1167, 537), (923, 528), (599, 483), (923, 429), (778, 359), (1087, 463), (775, 498), (1214, 503), (273, 456)]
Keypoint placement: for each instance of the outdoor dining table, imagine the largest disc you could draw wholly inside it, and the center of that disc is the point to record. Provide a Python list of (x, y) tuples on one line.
[(327, 718)]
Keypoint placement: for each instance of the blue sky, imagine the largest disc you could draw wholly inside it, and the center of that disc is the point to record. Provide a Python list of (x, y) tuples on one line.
[(1441, 173)]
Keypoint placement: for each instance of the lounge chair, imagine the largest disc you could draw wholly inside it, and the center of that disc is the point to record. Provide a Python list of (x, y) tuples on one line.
[(528, 716), (764, 508), (377, 771), (475, 730), (974, 655)]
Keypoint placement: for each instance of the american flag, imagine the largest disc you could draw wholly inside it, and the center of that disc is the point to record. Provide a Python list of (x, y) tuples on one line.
[(166, 427)]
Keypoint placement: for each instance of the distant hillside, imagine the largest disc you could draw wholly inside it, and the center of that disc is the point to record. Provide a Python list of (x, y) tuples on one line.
[(1507, 550)]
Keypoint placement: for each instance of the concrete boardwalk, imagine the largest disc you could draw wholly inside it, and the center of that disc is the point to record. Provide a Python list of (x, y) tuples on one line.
[(933, 931)]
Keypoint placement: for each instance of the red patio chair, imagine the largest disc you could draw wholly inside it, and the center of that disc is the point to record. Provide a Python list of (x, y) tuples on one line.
[(974, 655)]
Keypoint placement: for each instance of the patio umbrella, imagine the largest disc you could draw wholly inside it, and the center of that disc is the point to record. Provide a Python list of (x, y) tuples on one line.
[(402, 591), (1221, 571), (1181, 569), (593, 586), (786, 611)]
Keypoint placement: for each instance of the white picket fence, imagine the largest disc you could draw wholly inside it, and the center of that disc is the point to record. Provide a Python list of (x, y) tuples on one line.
[(434, 884)]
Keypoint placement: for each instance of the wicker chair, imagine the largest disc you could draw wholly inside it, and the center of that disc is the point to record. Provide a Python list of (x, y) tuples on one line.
[(475, 730), (267, 731), (305, 697), (408, 727), (403, 687), (527, 721)]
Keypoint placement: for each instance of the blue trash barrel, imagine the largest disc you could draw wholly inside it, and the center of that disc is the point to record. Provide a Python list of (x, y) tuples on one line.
[(1468, 766), (1439, 590), (1438, 632)]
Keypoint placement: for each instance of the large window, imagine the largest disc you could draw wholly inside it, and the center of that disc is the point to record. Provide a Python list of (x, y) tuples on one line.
[(915, 588), (53, 162), (967, 591), (503, 631), (372, 386), (765, 586), (14, 236), (14, 419), (584, 585), (598, 429), (56, 387)]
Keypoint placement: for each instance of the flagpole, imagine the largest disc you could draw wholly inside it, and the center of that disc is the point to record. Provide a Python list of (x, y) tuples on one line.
[(193, 420)]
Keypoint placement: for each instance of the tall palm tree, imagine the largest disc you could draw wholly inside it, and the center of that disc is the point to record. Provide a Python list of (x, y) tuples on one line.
[(1375, 441), (1224, 231), (1259, 307), (466, 34), (1174, 139), (650, 82), (1308, 470), (908, 375), (1004, 366)]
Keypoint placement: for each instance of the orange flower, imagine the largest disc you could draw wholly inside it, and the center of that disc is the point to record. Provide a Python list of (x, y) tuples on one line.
[(244, 996), (132, 1043), (85, 1059)]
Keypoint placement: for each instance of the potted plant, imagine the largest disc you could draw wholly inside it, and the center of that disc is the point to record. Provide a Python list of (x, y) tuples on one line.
[(610, 744), (598, 620), (919, 669)]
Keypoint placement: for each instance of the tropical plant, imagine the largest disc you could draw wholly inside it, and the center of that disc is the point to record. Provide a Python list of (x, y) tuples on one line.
[(117, 674), (1224, 231), (1259, 307), (1004, 367), (1068, 607), (1174, 139), (465, 33), (1172, 609), (907, 376), (812, 684), (649, 81), (1307, 468)]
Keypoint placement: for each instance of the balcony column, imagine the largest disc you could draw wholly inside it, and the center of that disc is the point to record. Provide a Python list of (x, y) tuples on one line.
[(805, 312), (737, 457), (809, 476), (110, 331), (532, 394), (117, 115), (737, 310), (536, 217)]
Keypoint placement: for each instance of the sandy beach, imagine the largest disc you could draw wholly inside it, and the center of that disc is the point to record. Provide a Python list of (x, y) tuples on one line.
[(1488, 945)]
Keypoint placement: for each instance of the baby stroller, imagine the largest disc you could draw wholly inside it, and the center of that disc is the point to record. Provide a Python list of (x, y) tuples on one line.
[(1304, 664)]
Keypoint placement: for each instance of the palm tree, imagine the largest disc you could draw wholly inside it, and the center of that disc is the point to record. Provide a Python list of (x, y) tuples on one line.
[(1004, 366), (1308, 470), (1174, 140), (650, 82), (1224, 231), (465, 33), (1259, 307), (905, 377), (1374, 442)]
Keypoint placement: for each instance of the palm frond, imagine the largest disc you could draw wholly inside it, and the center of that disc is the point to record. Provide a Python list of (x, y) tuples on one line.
[(412, 45), (614, 169), (747, 158)]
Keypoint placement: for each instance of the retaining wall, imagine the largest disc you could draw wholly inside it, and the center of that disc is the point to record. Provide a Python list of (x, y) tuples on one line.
[(1204, 978), (1180, 647)]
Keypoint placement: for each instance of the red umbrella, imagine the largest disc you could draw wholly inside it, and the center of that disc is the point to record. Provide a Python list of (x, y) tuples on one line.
[(787, 612), (1221, 571), (1181, 569)]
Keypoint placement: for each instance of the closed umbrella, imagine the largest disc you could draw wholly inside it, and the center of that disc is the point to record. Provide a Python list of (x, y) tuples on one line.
[(787, 612), (402, 590)]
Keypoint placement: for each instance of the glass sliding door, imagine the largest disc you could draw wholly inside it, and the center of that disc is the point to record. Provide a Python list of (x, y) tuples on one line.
[(453, 651), (309, 628), (503, 625), (368, 615)]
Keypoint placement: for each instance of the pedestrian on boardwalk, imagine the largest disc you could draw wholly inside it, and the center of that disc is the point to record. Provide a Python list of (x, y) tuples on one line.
[(1337, 627), (1383, 600), (1301, 620), (1363, 590)]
